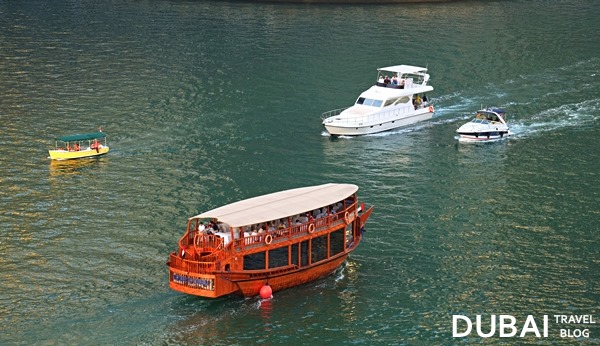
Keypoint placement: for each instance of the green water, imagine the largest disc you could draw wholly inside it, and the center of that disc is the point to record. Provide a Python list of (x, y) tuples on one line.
[(206, 103)]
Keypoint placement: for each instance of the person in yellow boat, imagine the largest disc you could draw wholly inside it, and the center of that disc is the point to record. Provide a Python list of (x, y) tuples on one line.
[(95, 145), (76, 148)]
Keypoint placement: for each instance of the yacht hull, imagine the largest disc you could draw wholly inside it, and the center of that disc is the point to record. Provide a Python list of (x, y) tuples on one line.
[(342, 129)]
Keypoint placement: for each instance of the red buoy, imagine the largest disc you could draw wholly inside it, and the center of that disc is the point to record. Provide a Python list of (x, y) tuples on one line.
[(266, 292)]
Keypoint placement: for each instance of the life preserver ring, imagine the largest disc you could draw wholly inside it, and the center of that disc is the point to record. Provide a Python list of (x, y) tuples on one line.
[(430, 109), (311, 228), (268, 239), (347, 217)]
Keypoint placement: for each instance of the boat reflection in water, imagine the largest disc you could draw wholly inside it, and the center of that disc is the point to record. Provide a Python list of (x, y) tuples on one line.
[(282, 239), (60, 168)]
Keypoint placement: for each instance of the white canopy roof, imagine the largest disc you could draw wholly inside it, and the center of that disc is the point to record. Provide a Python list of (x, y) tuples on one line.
[(279, 205), (401, 69)]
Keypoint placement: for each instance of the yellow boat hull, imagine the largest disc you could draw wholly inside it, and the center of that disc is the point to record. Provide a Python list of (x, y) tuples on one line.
[(68, 155)]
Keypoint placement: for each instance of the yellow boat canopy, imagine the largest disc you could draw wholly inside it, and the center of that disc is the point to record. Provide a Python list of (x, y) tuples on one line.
[(279, 205)]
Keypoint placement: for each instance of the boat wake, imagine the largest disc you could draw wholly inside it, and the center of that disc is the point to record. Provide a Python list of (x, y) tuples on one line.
[(523, 95), (581, 114)]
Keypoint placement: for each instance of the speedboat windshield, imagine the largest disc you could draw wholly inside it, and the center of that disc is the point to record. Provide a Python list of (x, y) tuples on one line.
[(369, 102), (485, 117), (480, 121)]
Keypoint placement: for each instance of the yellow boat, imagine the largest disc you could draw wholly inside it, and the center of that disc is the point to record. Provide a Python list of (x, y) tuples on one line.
[(79, 146)]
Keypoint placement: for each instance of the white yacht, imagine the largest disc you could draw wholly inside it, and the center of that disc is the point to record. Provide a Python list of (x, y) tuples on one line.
[(397, 99), (489, 124)]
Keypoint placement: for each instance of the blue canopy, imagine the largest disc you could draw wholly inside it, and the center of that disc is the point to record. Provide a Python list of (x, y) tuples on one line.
[(496, 110)]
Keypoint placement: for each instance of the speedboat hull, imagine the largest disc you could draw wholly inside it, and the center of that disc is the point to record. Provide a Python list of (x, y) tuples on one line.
[(482, 136)]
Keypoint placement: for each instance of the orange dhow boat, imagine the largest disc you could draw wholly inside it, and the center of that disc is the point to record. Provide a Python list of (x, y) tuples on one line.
[(282, 239)]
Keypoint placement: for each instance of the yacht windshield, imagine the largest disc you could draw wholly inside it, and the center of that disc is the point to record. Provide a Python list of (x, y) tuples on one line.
[(369, 102)]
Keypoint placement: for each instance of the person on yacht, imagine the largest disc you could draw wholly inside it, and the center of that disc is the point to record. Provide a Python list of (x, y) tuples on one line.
[(417, 101)]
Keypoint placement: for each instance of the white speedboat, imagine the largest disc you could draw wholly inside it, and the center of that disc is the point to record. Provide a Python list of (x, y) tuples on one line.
[(397, 99), (489, 124)]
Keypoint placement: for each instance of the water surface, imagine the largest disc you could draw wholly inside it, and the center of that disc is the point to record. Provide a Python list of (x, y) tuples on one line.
[(206, 103)]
